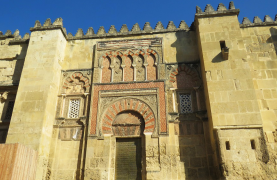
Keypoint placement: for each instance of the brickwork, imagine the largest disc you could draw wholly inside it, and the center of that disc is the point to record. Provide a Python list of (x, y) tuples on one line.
[(97, 88), (106, 70), (128, 70), (128, 104), (151, 68), (184, 77)]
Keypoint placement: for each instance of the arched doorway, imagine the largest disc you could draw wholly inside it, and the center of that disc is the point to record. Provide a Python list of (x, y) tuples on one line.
[(128, 127)]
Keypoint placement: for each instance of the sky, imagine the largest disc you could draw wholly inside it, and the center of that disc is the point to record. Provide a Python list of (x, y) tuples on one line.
[(21, 15)]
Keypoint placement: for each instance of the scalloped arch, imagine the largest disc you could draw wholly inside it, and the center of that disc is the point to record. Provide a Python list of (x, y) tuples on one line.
[(71, 78), (189, 71)]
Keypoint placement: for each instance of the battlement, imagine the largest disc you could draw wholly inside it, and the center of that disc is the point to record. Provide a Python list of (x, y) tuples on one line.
[(16, 37), (124, 31), (209, 11), (268, 21), (221, 10)]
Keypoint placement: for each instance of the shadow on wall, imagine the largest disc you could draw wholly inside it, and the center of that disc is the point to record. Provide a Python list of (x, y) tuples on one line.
[(19, 65), (186, 47), (273, 38), (192, 127)]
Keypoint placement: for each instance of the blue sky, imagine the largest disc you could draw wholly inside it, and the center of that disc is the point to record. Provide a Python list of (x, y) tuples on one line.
[(19, 14)]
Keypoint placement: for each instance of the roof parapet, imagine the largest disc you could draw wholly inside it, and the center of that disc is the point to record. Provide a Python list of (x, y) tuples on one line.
[(136, 30), (58, 24), (221, 10), (268, 21), (16, 37)]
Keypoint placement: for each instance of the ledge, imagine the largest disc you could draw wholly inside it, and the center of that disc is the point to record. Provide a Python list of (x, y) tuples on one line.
[(259, 24), (52, 27), (218, 13)]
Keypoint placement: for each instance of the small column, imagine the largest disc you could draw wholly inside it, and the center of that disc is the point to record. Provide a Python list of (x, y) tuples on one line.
[(173, 101), (123, 67), (135, 71), (112, 74), (85, 104), (63, 103), (145, 70)]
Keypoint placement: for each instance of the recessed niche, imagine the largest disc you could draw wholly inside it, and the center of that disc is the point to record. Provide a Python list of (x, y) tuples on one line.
[(227, 144)]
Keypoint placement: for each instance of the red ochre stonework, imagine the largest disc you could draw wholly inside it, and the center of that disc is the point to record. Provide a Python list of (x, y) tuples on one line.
[(106, 71), (151, 68), (184, 77), (129, 104), (111, 112)]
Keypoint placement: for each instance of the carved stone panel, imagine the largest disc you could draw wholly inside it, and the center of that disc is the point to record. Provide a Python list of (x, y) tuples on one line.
[(140, 69)]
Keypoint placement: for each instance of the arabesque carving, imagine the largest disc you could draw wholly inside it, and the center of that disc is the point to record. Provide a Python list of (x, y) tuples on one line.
[(76, 83)]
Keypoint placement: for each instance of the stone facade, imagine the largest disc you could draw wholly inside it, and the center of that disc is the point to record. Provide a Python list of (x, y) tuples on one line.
[(157, 103)]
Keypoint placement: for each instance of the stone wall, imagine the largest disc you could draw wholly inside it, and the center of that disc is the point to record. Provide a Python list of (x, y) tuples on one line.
[(260, 43)]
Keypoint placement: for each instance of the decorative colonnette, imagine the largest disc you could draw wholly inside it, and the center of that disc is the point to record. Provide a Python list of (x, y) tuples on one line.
[(128, 104), (161, 98)]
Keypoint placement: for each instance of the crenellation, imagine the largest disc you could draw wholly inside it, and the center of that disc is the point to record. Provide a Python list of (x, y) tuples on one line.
[(221, 7), (257, 20), (268, 21), (90, 32), (8, 33), (221, 10), (267, 18), (47, 22), (112, 30), (231, 5), (147, 27), (101, 31), (198, 9), (159, 26), (59, 22), (183, 25), (209, 9), (171, 26), (124, 29), (79, 33), (69, 36), (37, 24), (246, 21), (136, 28), (26, 36)]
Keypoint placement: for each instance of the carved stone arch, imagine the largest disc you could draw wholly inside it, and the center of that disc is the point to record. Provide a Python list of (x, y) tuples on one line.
[(194, 77), (116, 54), (76, 83), (139, 53), (104, 55), (128, 104), (154, 53), (126, 54)]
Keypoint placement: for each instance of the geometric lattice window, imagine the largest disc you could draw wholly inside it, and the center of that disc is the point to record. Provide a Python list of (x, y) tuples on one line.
[(185, 103), (9, 111), (74, 107)]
